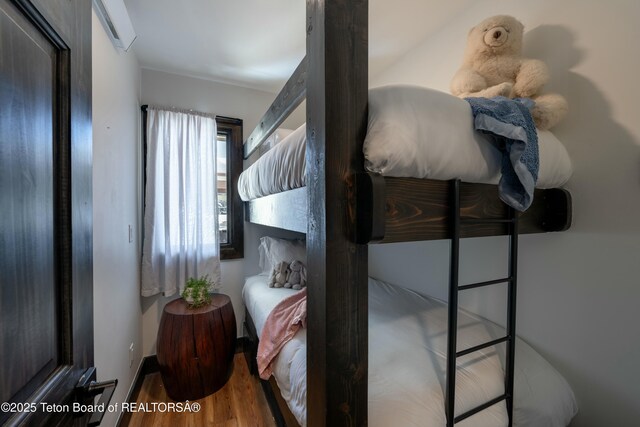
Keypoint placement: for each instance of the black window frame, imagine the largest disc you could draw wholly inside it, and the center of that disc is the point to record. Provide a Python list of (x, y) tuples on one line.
[(232, 127), (234, 248)]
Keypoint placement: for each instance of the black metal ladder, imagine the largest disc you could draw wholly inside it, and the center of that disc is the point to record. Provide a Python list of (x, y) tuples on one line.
[(454, 288)]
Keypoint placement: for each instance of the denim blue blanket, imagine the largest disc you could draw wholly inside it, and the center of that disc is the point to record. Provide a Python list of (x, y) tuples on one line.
[(509, 124)]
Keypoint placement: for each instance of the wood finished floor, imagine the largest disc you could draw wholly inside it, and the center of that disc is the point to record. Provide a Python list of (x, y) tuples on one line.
[(240, 403)]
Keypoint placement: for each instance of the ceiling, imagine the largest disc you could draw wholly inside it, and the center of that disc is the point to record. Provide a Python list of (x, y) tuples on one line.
[(258, 43)]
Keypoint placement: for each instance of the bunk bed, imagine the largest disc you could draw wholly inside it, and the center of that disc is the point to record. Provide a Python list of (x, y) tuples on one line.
[(407, 360), (344, 207)]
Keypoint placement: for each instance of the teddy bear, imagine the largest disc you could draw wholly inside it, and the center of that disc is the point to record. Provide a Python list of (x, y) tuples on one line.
[(493, 66), (279, 275), (297, 276)]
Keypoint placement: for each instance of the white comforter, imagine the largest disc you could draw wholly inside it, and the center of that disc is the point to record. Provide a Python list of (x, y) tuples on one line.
[(407, 364), (412, 132)]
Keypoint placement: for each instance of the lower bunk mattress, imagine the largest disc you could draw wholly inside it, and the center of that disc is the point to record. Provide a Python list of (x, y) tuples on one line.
[(412, 132), (407, 364)]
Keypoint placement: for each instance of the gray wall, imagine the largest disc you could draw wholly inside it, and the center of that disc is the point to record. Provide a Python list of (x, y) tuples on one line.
[(116, 267), (578, 290)]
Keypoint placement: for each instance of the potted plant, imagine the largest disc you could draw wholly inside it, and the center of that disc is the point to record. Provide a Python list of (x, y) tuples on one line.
[(196, 291)]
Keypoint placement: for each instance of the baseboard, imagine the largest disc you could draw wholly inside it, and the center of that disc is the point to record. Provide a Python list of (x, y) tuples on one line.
[(149, 365)]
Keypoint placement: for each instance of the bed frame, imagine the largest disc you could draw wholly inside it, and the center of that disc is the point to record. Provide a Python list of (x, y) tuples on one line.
[(281, 413), (343, 207)]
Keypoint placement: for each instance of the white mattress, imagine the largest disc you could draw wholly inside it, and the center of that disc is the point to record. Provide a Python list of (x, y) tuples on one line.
[(412, 132), (407, 364), (260, 299)]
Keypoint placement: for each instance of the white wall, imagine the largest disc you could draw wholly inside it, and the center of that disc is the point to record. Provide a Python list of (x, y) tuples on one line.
[(165, 89), (578, 290), (116, 272)]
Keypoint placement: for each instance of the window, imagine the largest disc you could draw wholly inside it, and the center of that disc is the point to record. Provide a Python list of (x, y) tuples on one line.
[(229, 166), (221, 167), (230, 219)]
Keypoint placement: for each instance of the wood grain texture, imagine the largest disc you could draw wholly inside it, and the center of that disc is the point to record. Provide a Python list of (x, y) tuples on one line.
[(418, 209), (287, 100), (412, 209), (28, 337), (370, 208), (196, 347), (240, 403), (286, 210), (66, 24), (337, 51)]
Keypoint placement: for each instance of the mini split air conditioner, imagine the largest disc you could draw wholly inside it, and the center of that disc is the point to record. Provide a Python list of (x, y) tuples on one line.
[(115, 19)]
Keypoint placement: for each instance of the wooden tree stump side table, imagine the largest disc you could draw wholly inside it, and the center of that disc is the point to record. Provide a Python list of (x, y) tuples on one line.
[(196, 347)]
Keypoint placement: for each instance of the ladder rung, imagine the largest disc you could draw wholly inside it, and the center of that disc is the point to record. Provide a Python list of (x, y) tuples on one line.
[(481, 346), (479, 408), (487, 283), (485, 221)]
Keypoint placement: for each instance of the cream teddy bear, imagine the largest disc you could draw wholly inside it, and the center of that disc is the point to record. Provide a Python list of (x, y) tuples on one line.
[(493, 66)]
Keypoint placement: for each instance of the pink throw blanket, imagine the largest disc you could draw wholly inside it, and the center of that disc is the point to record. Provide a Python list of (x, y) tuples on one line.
[(282, 324)]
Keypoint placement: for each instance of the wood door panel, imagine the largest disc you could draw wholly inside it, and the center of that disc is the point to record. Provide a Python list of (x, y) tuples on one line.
[(46, 304), (57, 13), (27, 258)]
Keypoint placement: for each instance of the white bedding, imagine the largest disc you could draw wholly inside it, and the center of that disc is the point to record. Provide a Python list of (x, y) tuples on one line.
[(412, 132), (407, 362)]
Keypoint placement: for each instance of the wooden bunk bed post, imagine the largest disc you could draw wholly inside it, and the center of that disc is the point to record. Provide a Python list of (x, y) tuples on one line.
[(337, 39)]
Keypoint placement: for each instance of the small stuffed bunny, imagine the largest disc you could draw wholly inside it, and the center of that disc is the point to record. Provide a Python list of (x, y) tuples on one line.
[(297, 276), (280, 275)]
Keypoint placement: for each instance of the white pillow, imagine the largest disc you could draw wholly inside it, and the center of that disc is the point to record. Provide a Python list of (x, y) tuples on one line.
[(424, 133), (273, 251)]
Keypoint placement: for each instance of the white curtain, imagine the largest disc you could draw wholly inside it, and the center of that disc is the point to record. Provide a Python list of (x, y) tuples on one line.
[(181, 218)]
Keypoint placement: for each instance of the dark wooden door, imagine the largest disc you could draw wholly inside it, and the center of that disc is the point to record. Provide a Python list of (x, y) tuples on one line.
[(46, 312)]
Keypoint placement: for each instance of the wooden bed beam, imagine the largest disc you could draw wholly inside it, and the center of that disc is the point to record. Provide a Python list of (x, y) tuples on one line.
[(370, 213), (291, 95), (391, 210), (418, 209), (287, 210), (337, 43)]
